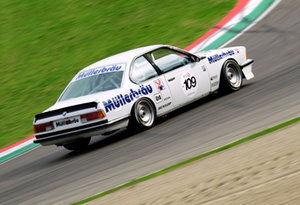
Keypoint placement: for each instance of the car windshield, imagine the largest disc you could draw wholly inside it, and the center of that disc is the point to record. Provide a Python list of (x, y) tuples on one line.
[(93, 84)]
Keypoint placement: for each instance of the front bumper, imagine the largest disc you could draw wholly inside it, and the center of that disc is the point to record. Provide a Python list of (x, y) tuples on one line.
[(66, 136), (247, 69)]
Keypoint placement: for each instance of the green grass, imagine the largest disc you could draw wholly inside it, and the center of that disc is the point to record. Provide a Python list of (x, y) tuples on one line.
[(176, 166), (43, 44)]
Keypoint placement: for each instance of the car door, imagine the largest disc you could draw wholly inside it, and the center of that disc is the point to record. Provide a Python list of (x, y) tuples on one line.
[(187, 79), (143, 72)]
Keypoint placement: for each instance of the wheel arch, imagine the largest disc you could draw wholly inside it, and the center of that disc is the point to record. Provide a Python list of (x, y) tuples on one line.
[(234, 61), (225, 85), (136, 122), (144, 97)]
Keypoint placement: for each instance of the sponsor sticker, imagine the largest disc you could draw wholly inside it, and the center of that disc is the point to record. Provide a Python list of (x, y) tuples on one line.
[(160, 86), (214, 77), (217, 57), (167, 98), (164, 106), (158, 98), (123, 99), (66, 122), (189, 84), (214, 81), (214, 84), (100, 70)]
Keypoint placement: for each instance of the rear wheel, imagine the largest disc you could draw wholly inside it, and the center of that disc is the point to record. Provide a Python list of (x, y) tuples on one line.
[(78, 145), (231, 76), (143, 115)]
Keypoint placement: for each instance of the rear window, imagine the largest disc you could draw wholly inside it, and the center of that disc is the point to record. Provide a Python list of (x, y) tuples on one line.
[(94, 81)]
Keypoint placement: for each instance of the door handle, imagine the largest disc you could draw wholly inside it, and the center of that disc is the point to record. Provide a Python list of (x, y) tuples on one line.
[(171, 79)]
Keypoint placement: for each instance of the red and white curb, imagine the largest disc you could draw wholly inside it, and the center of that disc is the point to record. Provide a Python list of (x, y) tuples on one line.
[(266, 12), (244, 10), (17, 149), (228, 20), (219, 36)]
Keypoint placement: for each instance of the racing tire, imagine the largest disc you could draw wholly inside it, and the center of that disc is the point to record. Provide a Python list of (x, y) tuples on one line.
[(231, 76), (143, 115), (78, 145)]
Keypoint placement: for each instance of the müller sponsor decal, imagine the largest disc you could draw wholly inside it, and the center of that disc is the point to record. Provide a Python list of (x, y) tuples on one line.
[(66, 122), (120, 100), (100, 70), (215, 58)]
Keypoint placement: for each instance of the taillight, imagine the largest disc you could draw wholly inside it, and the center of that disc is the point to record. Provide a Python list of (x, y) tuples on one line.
[(92, 116), (42, 127)]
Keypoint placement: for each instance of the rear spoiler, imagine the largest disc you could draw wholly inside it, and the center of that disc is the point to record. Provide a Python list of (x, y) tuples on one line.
[(66, 109)]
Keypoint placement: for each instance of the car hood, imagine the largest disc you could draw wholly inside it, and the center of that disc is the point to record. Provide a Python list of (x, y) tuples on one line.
[(213, 51), (205, 53)]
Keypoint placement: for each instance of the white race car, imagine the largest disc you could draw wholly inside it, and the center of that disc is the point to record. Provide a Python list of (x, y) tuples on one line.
[(133, 88)]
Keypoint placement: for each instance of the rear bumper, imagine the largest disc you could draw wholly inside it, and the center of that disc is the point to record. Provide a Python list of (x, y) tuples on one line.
[(69, 135)]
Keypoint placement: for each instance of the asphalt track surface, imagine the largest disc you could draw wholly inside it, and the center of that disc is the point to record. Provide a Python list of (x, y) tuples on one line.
[(51, 175)]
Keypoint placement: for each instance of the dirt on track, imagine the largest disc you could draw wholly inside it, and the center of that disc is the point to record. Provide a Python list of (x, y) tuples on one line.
[(262, 171)]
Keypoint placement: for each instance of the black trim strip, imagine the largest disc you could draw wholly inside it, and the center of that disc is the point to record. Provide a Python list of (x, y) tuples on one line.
[(248, 63), (64, 136), (158, 71), (71, 130)]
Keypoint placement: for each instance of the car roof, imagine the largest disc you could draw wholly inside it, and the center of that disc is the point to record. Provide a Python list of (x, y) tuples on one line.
[(124, 57)]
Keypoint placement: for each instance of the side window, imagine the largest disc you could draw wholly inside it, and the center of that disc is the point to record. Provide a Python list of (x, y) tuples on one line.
[(142, 70), (167, 59)]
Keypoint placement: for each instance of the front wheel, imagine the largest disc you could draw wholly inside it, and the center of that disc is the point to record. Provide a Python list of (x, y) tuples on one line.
[(231, 76), (78, 145), (143, 114)]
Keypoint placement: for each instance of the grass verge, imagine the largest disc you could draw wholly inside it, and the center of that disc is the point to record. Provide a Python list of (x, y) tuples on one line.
[(43, 44), (176, 166)]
